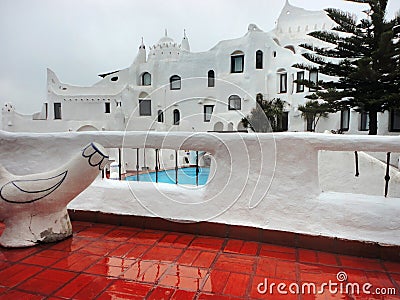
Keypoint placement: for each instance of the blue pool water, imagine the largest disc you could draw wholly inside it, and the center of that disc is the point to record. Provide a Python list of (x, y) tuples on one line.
[(185, 176)]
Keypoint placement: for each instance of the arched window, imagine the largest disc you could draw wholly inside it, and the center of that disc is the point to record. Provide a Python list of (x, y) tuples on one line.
[(144, 104), (234, 102), (160, 116), (146, 78), (177, 117), (259, 59), (211, 78), (237, 62), (175, 82)]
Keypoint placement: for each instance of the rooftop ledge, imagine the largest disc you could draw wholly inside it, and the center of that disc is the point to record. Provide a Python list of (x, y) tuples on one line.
[(265, 187)]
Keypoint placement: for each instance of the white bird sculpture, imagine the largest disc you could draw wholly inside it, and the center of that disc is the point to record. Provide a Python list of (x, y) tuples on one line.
[(34, 207)]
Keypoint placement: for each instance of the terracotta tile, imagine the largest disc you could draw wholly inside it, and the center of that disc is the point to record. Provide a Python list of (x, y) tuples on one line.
[(266, 267), (84, 287), (216, 282), (14, 255), (392, 267), (162, 254), (4, 265), (121, 234), (146, 237), (77, 262), (40, 260), (40, 286), (16, 274), (267, 288), (233, 246), (204, 259), (206, 296), (285, 270), (249, 248), (327, 258), (99, 247), (396, 278), (307, 256), (280, 255), (185, 271), (237, 284), (181, 282), (207, 243), (161, 293), (94, 231), (276, 248), (119, 288), (146, 271), (13, 294), (189, 256), (379, 279), (183, 295), (104, 270), (235, 262), (361, 263), (71, 244), (124, 249)]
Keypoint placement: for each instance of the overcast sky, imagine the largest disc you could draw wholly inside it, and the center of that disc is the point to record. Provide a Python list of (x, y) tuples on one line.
[(79, 39)]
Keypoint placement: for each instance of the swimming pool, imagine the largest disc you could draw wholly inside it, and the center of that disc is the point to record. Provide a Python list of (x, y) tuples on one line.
[(185, 176)]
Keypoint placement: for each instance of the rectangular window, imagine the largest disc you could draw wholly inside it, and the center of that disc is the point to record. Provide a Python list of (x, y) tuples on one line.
[(237, 64), (46, 110), (283, 83), (208, 110), (313, 80), (364, 121), (284, 122), (300, 86), (145, 107), (310, 123), (107, 108), (57, 111), (394, 120), (345, 119)]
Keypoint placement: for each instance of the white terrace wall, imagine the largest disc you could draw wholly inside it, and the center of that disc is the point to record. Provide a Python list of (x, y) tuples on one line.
[(268, 181)]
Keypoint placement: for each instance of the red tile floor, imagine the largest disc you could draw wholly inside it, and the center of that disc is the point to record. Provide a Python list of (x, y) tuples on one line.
[(113, 262)]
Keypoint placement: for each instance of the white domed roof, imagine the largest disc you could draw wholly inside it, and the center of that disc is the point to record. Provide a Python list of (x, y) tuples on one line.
[(165, 39)]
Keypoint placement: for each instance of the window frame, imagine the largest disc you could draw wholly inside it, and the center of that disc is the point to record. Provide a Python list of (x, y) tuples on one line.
[(313, 89), (394, 113), (234, 57), (176, 117), (107, 107), (143, 79), (208, 116), (57, 111), (172, 80), (211, 78), (160, 116), (364, 121), (259, 60), (234, 98), (342, 119), (143, 113), (283, 89), (300, 86)]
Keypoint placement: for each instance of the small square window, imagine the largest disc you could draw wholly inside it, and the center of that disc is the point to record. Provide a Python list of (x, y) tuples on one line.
[(145, 107), (237, 64)]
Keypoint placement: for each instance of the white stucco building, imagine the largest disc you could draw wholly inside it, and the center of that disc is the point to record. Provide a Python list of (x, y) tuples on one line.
[(170, 88)]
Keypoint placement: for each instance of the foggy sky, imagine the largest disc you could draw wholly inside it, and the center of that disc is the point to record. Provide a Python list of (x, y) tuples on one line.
[(79, 39)]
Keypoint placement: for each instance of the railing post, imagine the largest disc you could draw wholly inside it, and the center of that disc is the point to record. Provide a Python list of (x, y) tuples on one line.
[(137, 164), (197, 168), (156, 165), (356, 158), (119, 164), (176, 167), (387, 176)]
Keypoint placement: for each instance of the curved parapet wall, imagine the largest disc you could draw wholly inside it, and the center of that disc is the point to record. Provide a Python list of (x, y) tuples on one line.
[(34, 207), (268, 181)]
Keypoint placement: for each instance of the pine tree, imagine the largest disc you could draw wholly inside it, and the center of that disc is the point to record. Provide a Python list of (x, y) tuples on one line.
[(365, 59)]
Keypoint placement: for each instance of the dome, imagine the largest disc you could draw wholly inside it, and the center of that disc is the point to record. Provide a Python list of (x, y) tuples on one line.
[(165, 39)]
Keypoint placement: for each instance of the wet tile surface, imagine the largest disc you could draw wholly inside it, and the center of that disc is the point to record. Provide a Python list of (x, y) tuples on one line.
[(115, 262)]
